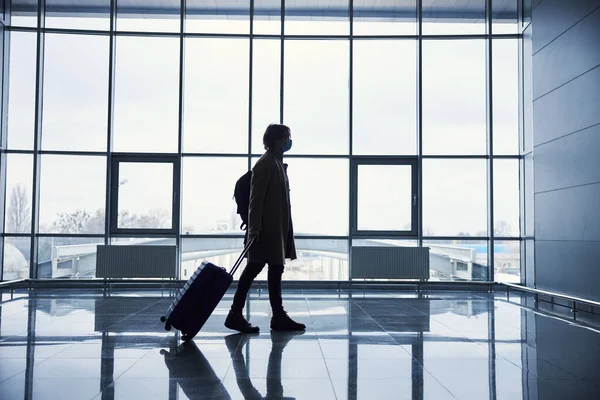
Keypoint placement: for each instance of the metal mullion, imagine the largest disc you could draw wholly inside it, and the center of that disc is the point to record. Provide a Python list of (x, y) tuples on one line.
[(14, 151), (462, 238), (110, 123), (420, 122), (455, 156), (78, 235), (316, 37), (490, 139), (178, 167), (174, 35), (221, 35), (39, 93), (385, 37), (72, 153), (3, 135), (281, 62), (83, 32), (250, 84), (352, 184), (215, 155)]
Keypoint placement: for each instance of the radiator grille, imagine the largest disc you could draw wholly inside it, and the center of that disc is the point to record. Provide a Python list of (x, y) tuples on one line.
[(136, 262), (390, 263)]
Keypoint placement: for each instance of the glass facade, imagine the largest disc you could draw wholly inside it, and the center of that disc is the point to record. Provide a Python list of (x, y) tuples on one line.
[(124, 127)]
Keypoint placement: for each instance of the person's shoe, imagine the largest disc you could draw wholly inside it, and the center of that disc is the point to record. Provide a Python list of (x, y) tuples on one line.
[(282, 322), (237, 322)]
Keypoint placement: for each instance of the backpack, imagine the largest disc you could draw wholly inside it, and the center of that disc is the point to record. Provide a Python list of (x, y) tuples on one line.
[(241, 194)]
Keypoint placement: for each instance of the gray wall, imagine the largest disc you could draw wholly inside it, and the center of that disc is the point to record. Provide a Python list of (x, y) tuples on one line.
[(566, 119)]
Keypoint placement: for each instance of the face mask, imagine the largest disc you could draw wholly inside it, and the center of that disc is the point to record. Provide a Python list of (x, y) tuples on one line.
[(287, 145)]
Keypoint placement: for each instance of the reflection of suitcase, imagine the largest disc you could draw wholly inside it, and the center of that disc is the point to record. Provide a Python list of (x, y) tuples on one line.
[(186, 363), (199, 297)]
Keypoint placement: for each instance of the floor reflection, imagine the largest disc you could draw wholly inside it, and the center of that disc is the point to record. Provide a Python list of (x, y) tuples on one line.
[(379, 345)]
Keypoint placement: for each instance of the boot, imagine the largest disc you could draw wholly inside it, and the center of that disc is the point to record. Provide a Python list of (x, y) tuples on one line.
[(237, 322), (282, 322)]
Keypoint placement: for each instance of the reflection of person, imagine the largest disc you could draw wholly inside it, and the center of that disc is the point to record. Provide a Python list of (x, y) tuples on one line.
[(270, 227), (235, 344), (186, 363)]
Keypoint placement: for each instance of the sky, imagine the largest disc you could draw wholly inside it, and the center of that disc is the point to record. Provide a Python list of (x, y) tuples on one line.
[(316, 100)]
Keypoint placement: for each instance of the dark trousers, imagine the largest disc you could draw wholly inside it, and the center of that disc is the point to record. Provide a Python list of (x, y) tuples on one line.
[(274, 282)]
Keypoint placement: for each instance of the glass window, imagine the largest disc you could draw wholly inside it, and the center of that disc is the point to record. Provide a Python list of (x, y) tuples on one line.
[(374, 18), (137, 241), (319, 196), (145, 195), (454, 97), (266, 73), (267, 17), (21, 90), (506, 198), (454, 197), (208, 205), (19, 178), (218, 16), (383, 243), (316, 95), (23, 13), (16, 258), (151, 17), (146, 94), (447, 17), (72, 194), (77, 15), (458, 260), (67, 257), (505, 16), (385, 198), (507, 261), (385, 97), (216, 95), (316, 18), (505, 89), (75, 92), (219, 251)]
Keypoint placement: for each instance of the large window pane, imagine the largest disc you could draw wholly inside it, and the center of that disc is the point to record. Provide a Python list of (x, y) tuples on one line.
[(449, 17), (154, 17), (454, 97), (316, 95), (385, 197), (78, 15), (506, 198), (146, 94), (75, 92), (145, 195), (319, 196), (21, 90), (266, 72), (458, 260), (72, 194), (208, 206), (16, 258), (507, 261), (219, 251), (454, 197), (505, 89), (218, 17), (316, 18), (67, 257), (19, 178), (375, 18), (216, 95), (385, 97), (23, 13), (267, 17), (505, 16)]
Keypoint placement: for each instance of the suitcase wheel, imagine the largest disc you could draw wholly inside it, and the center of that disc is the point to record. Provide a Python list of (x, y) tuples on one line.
[(185, 337), (163, 318), (167, 327)]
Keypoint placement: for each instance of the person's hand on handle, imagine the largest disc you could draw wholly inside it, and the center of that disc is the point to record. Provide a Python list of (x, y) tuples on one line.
[(253, 236)]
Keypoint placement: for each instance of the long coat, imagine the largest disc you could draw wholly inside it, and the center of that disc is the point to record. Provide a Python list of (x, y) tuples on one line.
[(269, 212)]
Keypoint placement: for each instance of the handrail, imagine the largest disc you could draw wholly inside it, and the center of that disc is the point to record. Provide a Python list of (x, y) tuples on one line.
[(10, 283), (553, 294)]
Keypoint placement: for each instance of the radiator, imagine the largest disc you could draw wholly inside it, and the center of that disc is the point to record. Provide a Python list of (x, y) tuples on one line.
[(390, 263), (136, 262)]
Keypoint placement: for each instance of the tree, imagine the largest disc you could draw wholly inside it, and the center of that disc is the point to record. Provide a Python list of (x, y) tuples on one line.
[(73, 223), (19, 210), (502, 228)]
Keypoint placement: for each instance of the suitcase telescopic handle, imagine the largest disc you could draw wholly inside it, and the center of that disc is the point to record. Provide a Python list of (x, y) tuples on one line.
[(241, 257)]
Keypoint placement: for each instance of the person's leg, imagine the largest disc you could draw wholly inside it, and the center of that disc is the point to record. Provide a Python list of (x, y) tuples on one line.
[(235, 320), (280, 321)]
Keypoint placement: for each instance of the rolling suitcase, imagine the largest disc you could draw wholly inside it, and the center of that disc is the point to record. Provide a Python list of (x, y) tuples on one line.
[(199, 297)]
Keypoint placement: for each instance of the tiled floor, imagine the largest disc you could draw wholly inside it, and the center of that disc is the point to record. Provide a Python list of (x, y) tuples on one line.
[(378, 345)]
